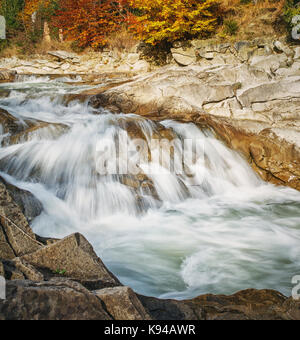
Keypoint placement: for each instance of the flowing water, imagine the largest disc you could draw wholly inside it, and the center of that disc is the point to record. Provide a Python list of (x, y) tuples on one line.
[(218, 231)]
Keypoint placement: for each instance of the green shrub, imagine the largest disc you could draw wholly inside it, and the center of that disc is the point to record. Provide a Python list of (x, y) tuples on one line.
[(231, 27), (10, 9), (245, 2)]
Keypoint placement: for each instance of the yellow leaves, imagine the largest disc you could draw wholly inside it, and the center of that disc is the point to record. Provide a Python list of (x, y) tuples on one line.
[(173, 19)]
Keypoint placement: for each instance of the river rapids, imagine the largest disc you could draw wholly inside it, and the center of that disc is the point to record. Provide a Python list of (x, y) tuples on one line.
[(218, 231)]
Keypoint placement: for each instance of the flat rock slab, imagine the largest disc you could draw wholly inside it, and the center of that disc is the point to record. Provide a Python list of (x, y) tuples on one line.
[(184, 57), (75, 256), (64, 56)]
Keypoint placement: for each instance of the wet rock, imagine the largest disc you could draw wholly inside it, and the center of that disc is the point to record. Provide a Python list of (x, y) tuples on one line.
[(244, 94), (8, 122), (15, 226), (7, 75), (76, 257), (122, 304), (57, 299), (31, 207), (271, 152), (40, 130)]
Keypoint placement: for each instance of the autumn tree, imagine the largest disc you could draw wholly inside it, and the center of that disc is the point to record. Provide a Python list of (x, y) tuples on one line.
[(170, 20), (10, 9), (46, 8), (89, 22)]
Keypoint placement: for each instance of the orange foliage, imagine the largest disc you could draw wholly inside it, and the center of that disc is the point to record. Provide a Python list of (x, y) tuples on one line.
[(32, 6), (89, 21)]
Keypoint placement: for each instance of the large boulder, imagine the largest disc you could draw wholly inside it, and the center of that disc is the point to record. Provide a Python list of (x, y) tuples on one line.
[(30, 206), (76, 258), (57, 299), (15, 227), (122, 303), (249, 304)]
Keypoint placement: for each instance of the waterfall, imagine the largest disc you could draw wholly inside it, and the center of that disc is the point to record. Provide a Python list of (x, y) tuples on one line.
[(213, 227)]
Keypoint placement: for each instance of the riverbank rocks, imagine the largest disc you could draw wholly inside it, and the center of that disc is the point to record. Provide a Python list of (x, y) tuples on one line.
[(18, 269), (122, 303), (7, 75), (250, 101), (64, 56), (76, 257), (57, 299), (30, 206), (183, 56), (15, 227), (249, 304), (64, 299)]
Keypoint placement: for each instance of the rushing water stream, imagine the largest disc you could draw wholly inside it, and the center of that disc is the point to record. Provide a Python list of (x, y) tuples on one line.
[(219, 231)]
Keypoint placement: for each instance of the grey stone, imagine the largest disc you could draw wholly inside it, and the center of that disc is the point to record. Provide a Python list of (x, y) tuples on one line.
[(297, 53), (76, 257), (57, 299), (283, 48), (184, 57), (15, 226), (122, 303)]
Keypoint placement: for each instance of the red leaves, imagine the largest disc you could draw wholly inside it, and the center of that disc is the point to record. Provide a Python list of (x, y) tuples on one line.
[(89, 21)]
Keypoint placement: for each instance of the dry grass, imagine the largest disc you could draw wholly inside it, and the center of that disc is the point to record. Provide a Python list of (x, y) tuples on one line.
[(255, 19), (122, 41), (21, 46)]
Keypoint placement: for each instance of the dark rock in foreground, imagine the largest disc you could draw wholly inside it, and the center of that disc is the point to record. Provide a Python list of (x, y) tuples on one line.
[(50, 279), (58, 299)]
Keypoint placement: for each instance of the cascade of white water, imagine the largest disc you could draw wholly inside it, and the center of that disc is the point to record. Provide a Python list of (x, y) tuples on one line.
[(218, 230)]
